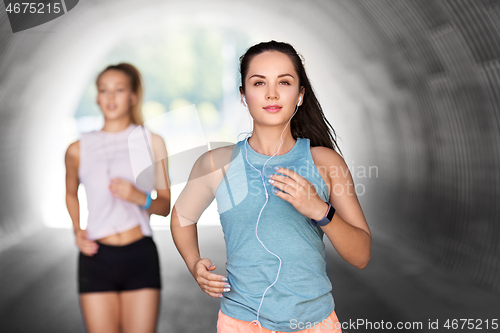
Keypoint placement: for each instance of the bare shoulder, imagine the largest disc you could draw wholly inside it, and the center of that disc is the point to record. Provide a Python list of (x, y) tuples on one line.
[(213, 160), (156, 139), (330, 164), (72, 160), (326, 157), (73, 151), (222, 156), (158, 146), (207, 167)]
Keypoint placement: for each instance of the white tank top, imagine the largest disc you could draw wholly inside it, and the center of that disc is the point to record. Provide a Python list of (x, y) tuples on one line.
[(104, 156)]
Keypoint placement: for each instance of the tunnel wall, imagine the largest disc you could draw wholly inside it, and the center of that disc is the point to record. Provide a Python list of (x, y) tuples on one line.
[(443, 183), (17, 217), (434, 133)]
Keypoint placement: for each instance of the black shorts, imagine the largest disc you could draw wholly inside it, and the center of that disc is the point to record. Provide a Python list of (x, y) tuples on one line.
[(117, 268)]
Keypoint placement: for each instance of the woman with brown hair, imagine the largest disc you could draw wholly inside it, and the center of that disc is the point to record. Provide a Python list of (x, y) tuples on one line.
[(278, 193), (118, 269)]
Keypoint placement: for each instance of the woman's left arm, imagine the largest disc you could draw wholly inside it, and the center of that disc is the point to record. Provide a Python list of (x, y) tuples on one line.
[(348, 230), (161, 205)]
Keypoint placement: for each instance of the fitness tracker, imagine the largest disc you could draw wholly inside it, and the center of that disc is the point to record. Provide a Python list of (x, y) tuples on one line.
[(326, 219), (148, 201)]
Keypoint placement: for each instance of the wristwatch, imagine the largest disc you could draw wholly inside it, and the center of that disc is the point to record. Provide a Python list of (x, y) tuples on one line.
[(148, 201), (326, 219)]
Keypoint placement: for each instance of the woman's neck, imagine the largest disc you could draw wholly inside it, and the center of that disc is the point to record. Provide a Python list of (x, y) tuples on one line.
[(267, 141), (116, 125)]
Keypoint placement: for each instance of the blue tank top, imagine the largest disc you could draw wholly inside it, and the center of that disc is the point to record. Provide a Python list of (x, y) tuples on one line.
[(302, 291)]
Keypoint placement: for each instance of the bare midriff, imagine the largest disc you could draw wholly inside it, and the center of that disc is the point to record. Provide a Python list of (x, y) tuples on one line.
[(123, 238)]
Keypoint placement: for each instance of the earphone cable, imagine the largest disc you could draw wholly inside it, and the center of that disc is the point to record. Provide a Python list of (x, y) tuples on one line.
[(267, 199)]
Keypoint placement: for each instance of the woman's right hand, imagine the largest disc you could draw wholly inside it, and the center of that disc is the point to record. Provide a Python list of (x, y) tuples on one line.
[(213, 284), (86, 246)]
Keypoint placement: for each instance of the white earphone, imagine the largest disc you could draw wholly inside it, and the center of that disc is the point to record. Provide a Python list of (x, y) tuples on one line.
[(245, 100), (261, 173)]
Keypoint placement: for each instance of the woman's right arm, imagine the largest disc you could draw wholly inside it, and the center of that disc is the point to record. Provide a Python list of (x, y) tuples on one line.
[(72, 161), (194, 199)]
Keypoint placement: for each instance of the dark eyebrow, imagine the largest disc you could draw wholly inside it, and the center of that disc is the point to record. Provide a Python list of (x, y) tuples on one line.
[(118, 84), (263, 77)]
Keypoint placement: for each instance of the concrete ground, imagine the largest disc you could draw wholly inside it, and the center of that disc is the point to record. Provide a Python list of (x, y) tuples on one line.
[(39, 291)]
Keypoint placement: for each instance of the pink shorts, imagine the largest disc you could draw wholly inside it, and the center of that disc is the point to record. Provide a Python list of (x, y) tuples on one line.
[(226, 324)]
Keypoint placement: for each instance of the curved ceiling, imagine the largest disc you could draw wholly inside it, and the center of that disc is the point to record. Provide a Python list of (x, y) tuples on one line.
[(411, 87)]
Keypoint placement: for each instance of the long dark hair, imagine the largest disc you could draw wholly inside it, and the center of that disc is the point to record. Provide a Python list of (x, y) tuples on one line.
[(309, 121), (136, 85)]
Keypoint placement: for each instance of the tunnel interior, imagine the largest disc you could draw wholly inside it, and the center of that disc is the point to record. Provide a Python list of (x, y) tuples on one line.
[(411, 87)]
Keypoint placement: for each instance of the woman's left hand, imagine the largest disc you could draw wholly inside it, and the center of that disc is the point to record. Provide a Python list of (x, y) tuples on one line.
[(299, 192), (125, 190)]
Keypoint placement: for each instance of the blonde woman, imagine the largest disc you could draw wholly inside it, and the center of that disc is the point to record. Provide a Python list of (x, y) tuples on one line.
[(118, 269)]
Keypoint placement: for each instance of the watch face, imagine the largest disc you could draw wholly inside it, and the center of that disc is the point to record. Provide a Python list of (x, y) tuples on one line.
[(325, 220), (329, 215), (331, 211)]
